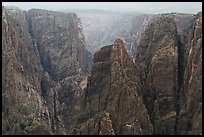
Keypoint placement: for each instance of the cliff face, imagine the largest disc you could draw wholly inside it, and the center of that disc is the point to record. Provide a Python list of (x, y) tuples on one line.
[(60, 42), (102, 27), (46, 88), (190, 120), (167, 79), (112, 102), (44, 52), (139, 24), (23, 108), (169, 62), (156, 62)]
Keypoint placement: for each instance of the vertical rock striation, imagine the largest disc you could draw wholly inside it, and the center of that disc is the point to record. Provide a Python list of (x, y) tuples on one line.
[(23, 108), (157, 64), (46, 88), (112, 102), (169, 61), (59, 39), (45, 66), (190, 116)]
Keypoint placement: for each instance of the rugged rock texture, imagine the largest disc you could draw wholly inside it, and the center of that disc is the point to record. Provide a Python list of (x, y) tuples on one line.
[(169, 61), (60, 42), (103, 27), (23, 108), (157, 64), (190, 116), (112, 102), (45, 66), (141, 22), (44, 51)]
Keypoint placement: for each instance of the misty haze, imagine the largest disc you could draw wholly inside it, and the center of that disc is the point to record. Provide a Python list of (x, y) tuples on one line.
[(102, 68), (143, 7)]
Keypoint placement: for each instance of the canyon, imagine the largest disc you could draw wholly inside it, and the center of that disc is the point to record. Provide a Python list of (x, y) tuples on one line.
[(101, 73)]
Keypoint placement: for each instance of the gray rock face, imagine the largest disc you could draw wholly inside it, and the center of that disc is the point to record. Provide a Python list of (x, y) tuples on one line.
[(46, 88), (157, 62), (44, 52), (167, 64), (23, 109), (112, 103), (60, 42), (190, 116), (103, 27)]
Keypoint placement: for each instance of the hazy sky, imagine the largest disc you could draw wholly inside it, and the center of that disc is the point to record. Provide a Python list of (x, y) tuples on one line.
[(149, 7)]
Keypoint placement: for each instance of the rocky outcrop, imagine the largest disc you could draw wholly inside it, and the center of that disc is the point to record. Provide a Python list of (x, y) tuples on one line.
[(46, 88), (23, 109), (60, 42), (112, 102), (44, 51), (190, 116), (157, 64), (59, 39), (182, 20), (168, 59), (141, 22), (103, 27)]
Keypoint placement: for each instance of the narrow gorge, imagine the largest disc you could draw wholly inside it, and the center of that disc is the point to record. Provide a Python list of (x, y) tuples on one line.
[(101, 73)]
